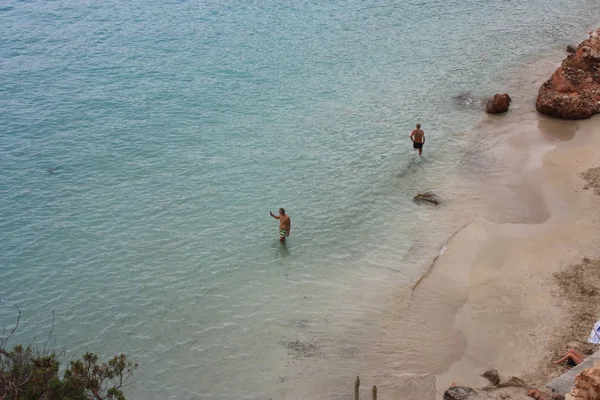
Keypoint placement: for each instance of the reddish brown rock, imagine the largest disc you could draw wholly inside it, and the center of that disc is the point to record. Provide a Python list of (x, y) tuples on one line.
[(573, 91), (498, 104), (587, 385), (537, 394)]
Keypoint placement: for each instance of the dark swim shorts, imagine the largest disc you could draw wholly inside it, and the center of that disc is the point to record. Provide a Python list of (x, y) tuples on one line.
[(417, 145)]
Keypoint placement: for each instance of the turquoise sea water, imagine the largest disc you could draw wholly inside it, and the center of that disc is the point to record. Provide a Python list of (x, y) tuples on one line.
[(142, 145)]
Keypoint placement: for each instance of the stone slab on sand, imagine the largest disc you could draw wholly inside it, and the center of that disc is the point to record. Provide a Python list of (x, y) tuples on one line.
[(564, 383)]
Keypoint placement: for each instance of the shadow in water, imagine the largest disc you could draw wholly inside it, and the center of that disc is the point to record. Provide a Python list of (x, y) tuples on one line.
[(414, 164), (283, 251)]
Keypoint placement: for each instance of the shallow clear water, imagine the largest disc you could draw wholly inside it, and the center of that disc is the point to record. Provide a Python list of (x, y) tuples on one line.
[(144, 143)]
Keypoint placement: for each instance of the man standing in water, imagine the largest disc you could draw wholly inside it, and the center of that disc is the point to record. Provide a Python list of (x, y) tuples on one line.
[(285, 224), (418, 138)]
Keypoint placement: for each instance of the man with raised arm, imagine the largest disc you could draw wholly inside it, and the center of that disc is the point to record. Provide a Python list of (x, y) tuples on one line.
[(285, 224)]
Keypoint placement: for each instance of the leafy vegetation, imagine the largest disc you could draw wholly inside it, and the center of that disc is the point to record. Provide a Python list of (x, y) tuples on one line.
[(33, 373)]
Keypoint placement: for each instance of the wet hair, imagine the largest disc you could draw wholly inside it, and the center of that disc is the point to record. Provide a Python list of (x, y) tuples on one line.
[(418, 126), (281, 211)]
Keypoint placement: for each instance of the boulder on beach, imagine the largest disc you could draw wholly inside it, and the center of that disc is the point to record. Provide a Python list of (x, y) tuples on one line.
[(492, 376), (498, 104), (458, 393), (537, 394), (587, 385), (571, 48), (573, 91), (428, 197)]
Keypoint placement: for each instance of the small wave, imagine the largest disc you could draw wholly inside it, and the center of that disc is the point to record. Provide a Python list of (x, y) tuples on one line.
[(438, 255), (442, 250)]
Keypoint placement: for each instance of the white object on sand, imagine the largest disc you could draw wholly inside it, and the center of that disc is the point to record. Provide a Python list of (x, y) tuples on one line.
[(595, 335)]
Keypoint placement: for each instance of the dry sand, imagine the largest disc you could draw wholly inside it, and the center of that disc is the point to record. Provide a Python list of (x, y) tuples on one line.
[(579, 290), (529, 292), (579, 287)]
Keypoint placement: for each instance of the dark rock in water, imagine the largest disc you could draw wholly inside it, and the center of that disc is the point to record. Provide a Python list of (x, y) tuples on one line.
[(573, 91), (498, 104), (458, 393), (427, 197), (302, 323), (492, 376), (572, 49), (466, 99)]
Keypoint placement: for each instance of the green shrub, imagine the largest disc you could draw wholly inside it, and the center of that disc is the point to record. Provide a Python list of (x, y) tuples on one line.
[(29, 373)]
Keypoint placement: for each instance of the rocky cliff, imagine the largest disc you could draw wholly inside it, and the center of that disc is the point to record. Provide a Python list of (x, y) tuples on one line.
[(587, 385), (573, 91)]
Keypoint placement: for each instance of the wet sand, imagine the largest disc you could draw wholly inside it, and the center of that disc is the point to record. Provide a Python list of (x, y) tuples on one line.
[(514, 317), (498, 295)]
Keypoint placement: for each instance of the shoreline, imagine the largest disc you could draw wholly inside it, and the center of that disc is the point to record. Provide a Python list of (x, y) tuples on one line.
[(490, 298), (520, 315), (514, 316)]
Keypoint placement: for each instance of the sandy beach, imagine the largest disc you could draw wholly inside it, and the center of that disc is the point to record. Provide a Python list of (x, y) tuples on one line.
[(504, 292), (512, 314)]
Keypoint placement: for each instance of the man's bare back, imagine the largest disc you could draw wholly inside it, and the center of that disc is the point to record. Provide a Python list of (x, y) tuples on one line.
[(418, 135), (418, 138), (285, 224)]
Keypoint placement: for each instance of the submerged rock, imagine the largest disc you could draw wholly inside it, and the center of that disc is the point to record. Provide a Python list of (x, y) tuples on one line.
[(463, 98), (498, 104), (458, 393), (429, 197), (573, 91), (468, 100)]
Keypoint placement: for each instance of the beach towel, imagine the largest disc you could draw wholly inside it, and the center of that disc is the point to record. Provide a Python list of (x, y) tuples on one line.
[(595, 335)]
